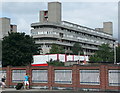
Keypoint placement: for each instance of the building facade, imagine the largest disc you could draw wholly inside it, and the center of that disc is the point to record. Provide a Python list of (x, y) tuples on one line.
[(51, 29), (6, 26)]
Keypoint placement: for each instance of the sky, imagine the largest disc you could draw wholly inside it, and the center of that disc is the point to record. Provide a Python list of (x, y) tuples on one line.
[(85, 13)]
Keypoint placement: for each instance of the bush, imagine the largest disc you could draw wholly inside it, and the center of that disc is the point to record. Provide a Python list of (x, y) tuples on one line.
[(55, 63)]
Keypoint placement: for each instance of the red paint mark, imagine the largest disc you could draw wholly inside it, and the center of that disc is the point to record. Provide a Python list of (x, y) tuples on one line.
[(39, 64)]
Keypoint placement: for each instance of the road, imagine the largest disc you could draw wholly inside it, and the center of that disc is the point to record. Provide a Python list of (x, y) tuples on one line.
[(12, 90)]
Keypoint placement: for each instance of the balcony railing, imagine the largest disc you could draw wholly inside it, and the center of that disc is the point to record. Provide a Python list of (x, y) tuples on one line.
[(52, 41), (64, 43), (75, 26), (83, 28)]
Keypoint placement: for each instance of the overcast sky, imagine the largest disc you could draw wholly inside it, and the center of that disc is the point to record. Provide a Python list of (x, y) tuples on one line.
[(89, 14)]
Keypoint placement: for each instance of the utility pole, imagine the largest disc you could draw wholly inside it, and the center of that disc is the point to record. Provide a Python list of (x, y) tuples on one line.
[(85, 57), (114, 53), (79, 57)]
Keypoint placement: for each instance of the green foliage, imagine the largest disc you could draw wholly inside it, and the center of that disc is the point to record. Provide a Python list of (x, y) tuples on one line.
[(55, 63), (17, 49), (76, 49), (56, 49), (95, 58), (104, 54), (118, 53)]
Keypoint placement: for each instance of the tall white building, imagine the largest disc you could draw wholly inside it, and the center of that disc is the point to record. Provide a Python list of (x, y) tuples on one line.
[(51, 29)]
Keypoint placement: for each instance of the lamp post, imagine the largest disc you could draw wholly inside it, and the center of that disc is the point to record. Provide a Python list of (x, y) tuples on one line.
[(79, 57), (85, 57), (114, 53)]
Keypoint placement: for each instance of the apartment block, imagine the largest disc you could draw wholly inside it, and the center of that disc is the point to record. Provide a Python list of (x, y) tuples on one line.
[(52, 30)]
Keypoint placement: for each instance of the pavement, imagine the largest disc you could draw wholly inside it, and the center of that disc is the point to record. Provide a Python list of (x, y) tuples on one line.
[(13, 90)]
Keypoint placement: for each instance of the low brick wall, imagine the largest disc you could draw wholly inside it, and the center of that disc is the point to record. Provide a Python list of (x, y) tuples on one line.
[(87, 77)]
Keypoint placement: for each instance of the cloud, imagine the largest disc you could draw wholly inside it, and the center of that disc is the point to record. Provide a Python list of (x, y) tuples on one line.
[(63, 0), (22, 13), (25, 8)]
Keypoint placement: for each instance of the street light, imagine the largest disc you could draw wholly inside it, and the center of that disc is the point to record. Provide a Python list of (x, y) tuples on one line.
[(114, 53)]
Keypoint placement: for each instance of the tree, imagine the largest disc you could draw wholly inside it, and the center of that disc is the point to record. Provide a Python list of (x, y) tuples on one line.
[(95, 58), (56, 49), (104, 54), (76, 49), (17, 50), (118, 53)]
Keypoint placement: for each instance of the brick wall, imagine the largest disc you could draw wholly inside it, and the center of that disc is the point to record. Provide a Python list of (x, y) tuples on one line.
[(103, 78)]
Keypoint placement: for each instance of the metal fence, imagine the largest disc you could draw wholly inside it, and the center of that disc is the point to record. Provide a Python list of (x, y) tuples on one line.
[(18, 75), (90, 77), (39, 76), (63, 76), (114, 77)]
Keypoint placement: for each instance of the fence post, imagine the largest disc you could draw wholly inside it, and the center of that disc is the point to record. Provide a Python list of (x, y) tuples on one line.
[(50, 77), (103, 77), (8, 76), (75, 77)]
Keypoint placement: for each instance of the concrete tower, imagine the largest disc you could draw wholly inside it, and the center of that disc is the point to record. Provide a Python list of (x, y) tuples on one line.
[(4, 27), (54, 12), (108, 27)]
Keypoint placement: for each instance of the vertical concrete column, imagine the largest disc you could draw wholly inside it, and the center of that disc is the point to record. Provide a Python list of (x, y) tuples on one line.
[(103, 77), (41, 16), (8, 76), (50, 77), (75, 77)]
